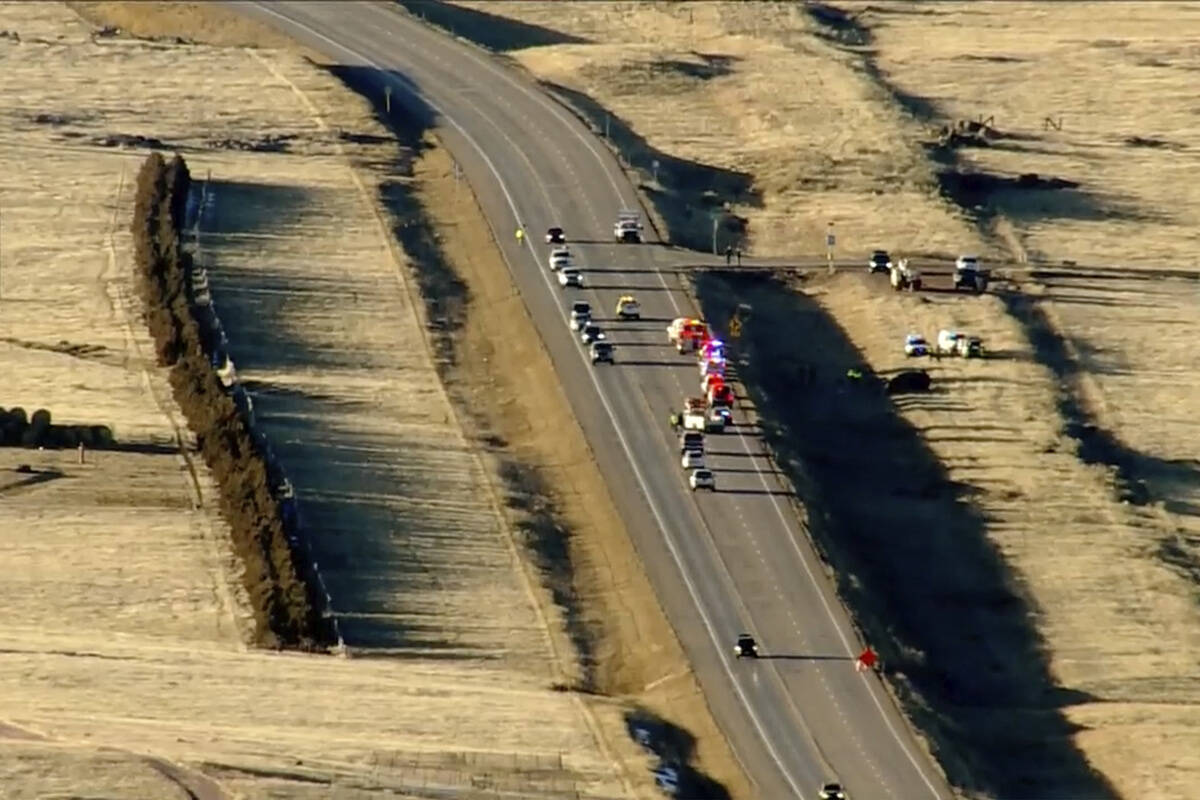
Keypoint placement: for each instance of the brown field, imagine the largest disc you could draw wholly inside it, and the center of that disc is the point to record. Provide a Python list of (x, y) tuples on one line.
[(124, 670), (1073, 443)]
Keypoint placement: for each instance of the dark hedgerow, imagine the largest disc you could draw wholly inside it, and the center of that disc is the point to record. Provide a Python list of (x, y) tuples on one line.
[(281, 583)]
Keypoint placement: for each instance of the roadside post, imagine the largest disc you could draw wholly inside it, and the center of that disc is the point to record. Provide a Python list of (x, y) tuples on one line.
[(387, 98), (830, 241)]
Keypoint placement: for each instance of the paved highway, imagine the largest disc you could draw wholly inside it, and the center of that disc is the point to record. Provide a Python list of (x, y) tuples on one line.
[(722, 563)]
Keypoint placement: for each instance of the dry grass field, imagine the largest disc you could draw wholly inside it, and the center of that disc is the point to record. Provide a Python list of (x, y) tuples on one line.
[(1076, 439), (123, 670)]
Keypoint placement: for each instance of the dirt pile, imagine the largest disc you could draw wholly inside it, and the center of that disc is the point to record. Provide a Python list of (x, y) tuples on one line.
[(280, 582)]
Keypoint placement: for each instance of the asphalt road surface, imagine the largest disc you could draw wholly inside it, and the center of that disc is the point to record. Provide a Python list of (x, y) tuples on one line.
[(731, 561)]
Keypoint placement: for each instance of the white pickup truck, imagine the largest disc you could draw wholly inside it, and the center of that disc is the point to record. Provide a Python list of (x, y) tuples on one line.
[(628, 227)]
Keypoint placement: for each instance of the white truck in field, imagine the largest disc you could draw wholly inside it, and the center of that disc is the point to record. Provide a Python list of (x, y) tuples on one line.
[(628, 227)]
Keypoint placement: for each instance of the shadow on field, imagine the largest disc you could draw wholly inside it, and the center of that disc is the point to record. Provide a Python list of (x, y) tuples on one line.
[(446, 298), (688, 194), (444, 293), (1137, 477), (675, 748), (548, 539), (957, 643), (359, 498), (351, 484), (490, 30), (259, 206)]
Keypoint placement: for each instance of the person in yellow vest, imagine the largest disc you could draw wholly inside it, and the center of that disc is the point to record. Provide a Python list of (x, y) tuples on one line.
[(520, 234)]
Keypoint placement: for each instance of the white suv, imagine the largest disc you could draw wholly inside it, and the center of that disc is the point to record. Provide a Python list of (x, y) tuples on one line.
[(692, 459), (703, 479)]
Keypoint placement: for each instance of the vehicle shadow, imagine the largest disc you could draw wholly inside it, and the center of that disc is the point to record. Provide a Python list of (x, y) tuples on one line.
[(637, 363), (958, 644), (750, 492), (782, 657)]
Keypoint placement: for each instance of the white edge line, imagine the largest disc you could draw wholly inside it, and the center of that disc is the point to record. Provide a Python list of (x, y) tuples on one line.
[(607, 408)]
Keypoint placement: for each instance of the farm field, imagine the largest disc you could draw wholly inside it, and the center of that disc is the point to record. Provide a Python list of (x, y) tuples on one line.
[(1074, 441), (124, 669)]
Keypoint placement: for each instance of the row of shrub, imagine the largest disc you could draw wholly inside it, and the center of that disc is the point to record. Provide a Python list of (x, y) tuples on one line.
[(281, 581), (18, 428)]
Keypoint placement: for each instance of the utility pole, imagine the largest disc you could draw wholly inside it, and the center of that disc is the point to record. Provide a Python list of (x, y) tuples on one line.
[(606, 116), (716, 222), (387, 98)]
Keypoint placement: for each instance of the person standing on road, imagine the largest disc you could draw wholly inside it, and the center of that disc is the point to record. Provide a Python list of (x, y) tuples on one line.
[(739, 256), (520, 234), (728, 255)]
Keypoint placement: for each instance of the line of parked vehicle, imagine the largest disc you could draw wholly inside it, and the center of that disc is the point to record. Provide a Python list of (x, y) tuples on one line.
[(969, 272), (709, 412)]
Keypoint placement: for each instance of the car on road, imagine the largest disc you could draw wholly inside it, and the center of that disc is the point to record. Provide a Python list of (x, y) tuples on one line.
[(569, 276), (591, 333), (717, 419), (628, 307), (555, 236), (879, 261), (746, 647), (692, 459), (601, 352), (915, 345), (628, 227), (691, 440), (721, 395), (832, 791), (559, 259), (712, 366), (703, 479), (581, 314)]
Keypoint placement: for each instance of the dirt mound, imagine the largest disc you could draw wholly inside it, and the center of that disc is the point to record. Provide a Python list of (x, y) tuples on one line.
[(281, 585)]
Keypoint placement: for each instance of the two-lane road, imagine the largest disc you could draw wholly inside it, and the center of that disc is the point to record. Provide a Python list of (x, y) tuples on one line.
[(721, 563)]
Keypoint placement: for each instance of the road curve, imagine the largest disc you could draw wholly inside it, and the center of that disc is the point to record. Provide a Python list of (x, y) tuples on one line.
[(734, 560)]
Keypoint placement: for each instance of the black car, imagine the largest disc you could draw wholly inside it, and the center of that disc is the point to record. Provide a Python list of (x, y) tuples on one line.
[(831, 791), (746, 647), (591, 333), (880, 262), (555, 236), (602, 351)]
